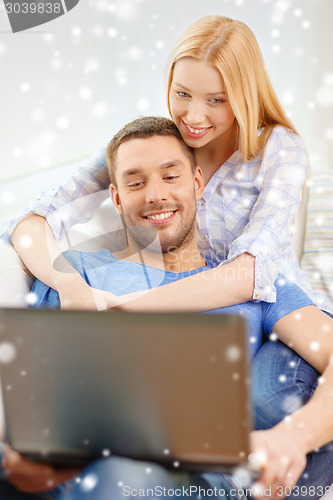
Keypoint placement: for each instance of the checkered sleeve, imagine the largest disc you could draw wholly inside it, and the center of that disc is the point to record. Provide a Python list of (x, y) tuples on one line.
[(267, 235), (74, 201)]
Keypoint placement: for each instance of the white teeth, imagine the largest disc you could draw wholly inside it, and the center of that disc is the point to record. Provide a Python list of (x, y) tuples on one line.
[(165, 215), (196, 131)]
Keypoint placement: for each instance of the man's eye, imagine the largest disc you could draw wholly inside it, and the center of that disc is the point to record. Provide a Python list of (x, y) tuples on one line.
[(135, 184), (171, 177)]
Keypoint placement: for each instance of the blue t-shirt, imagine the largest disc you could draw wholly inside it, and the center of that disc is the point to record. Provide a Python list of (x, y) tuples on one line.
[(104, 271)]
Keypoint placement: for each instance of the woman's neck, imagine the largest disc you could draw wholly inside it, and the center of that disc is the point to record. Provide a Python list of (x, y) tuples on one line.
[(213, 155)]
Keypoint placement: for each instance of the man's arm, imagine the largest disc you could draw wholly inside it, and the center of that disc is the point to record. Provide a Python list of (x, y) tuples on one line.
[(283, 448)]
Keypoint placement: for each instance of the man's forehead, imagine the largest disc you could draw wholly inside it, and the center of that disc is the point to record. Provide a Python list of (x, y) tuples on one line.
[(161, 151), (159, 142)]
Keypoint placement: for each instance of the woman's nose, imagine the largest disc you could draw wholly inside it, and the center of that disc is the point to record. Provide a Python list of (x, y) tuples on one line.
[(196, 113)]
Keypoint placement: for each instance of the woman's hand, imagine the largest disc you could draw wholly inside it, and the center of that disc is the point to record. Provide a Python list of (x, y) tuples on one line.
[(32, 477), (75, 293), (281, 456), (127, 302)]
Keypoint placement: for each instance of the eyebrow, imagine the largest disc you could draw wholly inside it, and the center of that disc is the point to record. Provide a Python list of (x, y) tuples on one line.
[(208, 93), (171, 163), (164, 165)]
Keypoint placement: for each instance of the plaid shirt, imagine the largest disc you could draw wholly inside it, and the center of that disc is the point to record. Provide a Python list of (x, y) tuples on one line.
[(247, 207)]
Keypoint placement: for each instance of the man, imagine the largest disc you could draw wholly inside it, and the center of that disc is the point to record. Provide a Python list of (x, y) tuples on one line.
[(155, 186)]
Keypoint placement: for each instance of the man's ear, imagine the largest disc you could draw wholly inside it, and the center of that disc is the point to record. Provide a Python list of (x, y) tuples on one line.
[(199, 183), (115, 198)]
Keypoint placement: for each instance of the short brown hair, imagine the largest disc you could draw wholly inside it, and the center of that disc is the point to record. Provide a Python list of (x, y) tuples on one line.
[(143, 128)]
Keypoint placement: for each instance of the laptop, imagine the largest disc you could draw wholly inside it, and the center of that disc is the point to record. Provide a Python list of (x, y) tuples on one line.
[(168, 388)]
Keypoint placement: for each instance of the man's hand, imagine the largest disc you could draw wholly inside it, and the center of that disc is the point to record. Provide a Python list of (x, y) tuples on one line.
[(281, 456), (33, 477)]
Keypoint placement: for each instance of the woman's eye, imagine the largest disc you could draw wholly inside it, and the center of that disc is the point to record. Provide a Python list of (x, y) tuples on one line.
[(183, 94), (216, 101)]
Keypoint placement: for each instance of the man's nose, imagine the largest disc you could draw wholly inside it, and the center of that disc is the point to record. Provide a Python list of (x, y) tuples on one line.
[(156, 191), (196, 112)]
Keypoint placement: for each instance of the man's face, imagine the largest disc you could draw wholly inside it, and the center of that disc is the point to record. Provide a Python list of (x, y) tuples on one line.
[(157, 191)]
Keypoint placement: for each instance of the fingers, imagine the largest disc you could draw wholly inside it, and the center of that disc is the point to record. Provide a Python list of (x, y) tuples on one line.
[(269, 481), (14, 463), (280, 461), (41, 480), (277, 479), (271, 476), (33, 477), (292, 475)]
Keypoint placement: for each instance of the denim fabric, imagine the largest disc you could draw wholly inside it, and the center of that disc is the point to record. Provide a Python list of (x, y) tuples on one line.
[(114, 478), (278, 389)]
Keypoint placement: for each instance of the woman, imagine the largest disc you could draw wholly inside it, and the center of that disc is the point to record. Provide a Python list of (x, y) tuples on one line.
[(254, 165)]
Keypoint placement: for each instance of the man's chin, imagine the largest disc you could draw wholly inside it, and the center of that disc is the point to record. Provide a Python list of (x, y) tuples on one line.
[(142, 236), (148, 238)]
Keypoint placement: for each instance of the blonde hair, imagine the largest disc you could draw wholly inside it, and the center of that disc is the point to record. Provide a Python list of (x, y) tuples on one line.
[(231, 47)]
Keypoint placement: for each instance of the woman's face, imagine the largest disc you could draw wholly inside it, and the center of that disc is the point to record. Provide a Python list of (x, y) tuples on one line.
[(199, 104)]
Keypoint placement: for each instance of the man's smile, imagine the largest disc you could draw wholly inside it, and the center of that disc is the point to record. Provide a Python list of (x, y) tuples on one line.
[(160, 217)]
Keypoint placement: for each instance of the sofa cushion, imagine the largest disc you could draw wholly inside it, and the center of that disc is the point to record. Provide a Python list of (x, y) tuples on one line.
[(317, 258), (15, 280)]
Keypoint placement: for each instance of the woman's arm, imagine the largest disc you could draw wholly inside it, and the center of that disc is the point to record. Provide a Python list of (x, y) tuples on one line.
[(34, 242), (279, 184), (218, 287)]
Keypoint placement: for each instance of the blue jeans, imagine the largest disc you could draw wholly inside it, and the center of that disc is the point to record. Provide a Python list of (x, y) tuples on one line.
[(279, 387), (117, 478)]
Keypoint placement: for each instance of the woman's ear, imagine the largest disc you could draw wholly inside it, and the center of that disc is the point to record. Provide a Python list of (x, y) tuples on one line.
[(199, 183), (115, 198)]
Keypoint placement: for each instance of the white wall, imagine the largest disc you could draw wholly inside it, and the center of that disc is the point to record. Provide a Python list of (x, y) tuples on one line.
[(70, 84)]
